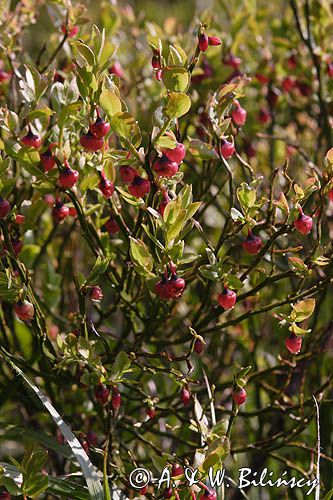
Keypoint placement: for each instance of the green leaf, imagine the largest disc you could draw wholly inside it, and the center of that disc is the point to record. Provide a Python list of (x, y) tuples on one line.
[(4, 165), (120, 366), (220, 428), (35, 485), (64, 488), (110, 102), (175, 228), (41, 82), (67, 111), (302, 310), (246, 196), (217, 451), (29, 253), (322, 260), (124, 125), (212, 273), (12, 481), (86, 52), (15, 432), (8, 288), (282, 203), (6, 187), (40, 113), (30, 157), (175, 57), (99, 268), (329, 495), (297, 330), (166, 142), (89, 182), (175, 79), (34, 460), (132, 200), (172, 210), (233, 282), (203, 150), (33, 213), (140, 255), (298, 266), (178, 104), (192, 209), (67, 489), (236, 215)]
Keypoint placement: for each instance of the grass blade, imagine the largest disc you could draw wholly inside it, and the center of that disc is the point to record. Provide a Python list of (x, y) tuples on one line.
[(89, 471)]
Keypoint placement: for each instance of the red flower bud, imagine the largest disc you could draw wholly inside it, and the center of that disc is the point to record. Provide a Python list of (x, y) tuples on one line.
[(208, 495), (4, 208), (60, 212), (264, 115), (116, 69), (294, 343), (106, 187), (100, 128), (177, 154), (19, 219), (239, 396), (164, 167), (140, 187), (17, 245), (263, 79), (227, 299), (161, 289), (127, 174), (185, 396), (24, 310), (233, 61), (167, 493), (4, 495), (4, 76), (165, 200), (304, 223), (151, 412), (92, 438), (288, 83), (329, 70), (96, 293), (252, 244), (90, 142), (112, 226), (68, 177), (203, 42), (155, 62), (102, 394), (227, 149), (32, 140), (116, 399), (198, 346), (292, 61), (70, 31), (214, 40), (174, 287), (72, 211), (177, 470), (47, 160), (239, 115)]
